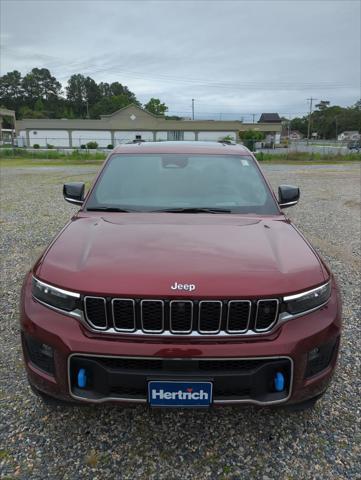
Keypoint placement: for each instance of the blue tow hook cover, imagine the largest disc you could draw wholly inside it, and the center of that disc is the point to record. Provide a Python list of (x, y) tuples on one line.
[(279, 382), (82, 378)]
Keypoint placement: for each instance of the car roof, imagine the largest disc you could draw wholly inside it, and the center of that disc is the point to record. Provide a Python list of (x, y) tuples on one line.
[(182, 147)]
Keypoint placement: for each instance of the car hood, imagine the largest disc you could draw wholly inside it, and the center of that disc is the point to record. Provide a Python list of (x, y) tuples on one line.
[(140, 255)]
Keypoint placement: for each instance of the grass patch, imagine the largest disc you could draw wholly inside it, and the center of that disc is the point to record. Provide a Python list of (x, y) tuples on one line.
[(307, 158), (57, 162), (21, 157)]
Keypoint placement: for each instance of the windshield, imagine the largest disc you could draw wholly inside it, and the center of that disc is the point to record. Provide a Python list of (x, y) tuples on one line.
[(219, 183)]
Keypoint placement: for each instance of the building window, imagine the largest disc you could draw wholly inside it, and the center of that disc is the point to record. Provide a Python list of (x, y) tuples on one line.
[(138, 137), (175, 135)]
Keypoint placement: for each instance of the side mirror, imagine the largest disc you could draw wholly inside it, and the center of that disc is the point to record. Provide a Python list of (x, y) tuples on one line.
[(74, 192), (288, 195)]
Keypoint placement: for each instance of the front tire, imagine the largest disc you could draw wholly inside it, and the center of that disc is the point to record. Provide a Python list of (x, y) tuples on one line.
[(49, 400), (303, 406)]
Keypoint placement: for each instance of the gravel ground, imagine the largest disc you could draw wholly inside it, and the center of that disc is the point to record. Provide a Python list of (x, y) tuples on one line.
[(37, 442)]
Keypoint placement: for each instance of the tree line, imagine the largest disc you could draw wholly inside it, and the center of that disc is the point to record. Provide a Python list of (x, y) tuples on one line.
[(329, 120), (38, 94)]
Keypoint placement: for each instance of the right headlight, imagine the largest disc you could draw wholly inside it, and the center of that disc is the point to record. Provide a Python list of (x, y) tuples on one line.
[(54, 296), (309, 300)]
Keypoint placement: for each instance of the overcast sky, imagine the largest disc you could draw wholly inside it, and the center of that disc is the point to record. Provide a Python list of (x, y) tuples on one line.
[(233, 57)]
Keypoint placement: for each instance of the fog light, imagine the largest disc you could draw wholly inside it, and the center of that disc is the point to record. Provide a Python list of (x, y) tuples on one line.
[(46, 350), (313, 354), (40, 354), (320, 357)]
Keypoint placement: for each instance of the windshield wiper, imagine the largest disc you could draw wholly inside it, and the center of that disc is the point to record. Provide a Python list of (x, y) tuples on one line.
[(108, 209), (194, 210)]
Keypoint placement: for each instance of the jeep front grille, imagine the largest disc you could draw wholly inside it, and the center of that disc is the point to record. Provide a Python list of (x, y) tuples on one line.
[(95, 309), (181, 317), (267, 311), (123, 313)]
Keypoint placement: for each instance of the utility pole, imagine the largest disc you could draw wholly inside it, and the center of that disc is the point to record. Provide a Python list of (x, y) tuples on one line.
[(192, 108), (289, 127), (253, 117), (309, 118)]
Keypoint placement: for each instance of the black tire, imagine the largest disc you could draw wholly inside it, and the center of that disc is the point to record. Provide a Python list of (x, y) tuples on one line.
[(49, 400), (303, 406)]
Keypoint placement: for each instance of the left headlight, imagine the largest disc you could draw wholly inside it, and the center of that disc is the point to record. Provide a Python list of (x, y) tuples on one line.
[(54, 296), (309, 300)]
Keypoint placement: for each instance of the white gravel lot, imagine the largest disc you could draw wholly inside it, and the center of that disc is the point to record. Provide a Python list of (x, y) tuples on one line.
[(37, 442)]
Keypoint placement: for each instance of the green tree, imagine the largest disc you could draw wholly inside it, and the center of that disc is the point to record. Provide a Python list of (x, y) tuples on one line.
[(299, 124), (108, 105), (76, 94), (156, 107), (92, 92), (39, 83), (116, 89), (82, 94), (104, 89), (39, 105), (250, 137), (323, 105), (27, 112), (11, 92)]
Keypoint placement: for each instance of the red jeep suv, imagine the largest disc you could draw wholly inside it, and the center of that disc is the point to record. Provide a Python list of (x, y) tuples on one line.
[(180, 283)]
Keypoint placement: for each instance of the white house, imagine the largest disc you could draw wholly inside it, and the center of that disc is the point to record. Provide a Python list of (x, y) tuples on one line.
[(349, 135)]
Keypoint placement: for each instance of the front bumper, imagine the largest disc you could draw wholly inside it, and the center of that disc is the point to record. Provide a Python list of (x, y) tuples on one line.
[(285, 350)]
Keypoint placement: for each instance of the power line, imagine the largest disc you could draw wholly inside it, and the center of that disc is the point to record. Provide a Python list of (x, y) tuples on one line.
[(249, 85)]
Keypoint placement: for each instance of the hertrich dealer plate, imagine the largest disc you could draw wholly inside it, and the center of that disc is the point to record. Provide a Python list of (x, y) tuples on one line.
[(179, 394)]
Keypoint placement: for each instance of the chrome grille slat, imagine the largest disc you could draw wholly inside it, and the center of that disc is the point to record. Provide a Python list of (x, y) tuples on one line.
[(123, 312), (239, 313), (265, 319), (181, 316), (209, 313), (96, 312), (152, 314)]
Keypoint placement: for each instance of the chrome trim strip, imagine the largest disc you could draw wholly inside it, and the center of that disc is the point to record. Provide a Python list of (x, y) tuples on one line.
[(275, 319), (215, 401), (167, 333), (307, 292), (60, 290), (78, 314), (141, 316), (249, 316), (172, 330), (113, 315), (199, 317), (72, 200), (95, 327), (288, 204), (285, 316)]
